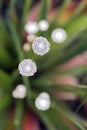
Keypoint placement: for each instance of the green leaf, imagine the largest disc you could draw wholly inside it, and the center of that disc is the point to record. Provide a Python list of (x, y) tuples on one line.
[(43, 10), (26, 8), (5, 100), (11, 7), (47, 121), (78, 10), (16, 39), (43, 116), (3, 119), (61, 9), (17, 45), (0, 6), (5, 80), (44, 82), (5, 58), (75, 27), (57, 55), (5, 88), (56, 119), (4, 37), (69, 115), (82, 102), (75, 71), (52, 87)]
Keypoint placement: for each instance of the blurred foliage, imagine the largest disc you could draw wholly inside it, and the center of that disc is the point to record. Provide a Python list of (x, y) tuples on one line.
[(13, 16)]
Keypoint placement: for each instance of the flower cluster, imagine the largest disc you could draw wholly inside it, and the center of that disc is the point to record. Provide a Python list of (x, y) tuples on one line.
[(58, 35), (28, 67)]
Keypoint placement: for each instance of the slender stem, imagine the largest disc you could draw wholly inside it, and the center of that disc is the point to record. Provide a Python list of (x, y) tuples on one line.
[(18, 115), (17, 44)]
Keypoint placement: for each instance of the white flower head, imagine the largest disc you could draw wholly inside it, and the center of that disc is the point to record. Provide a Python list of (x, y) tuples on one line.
[(44, 95), (43, 102), (27, 67), (19, 92), (15, 94), (43, 25), (58, 35), (40, 45), (31, 27)]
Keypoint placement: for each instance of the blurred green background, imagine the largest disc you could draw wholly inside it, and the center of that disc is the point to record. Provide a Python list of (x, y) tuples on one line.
[(62, 72)]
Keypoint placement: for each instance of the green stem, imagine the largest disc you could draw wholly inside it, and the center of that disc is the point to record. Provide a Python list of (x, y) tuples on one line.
[(17, 45), (18, 115), (17, 42)]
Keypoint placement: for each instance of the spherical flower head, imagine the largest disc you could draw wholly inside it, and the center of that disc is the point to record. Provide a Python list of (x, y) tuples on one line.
[(40, 46), (19, 92), (15, 94), (58, 35), (21, 89), (42, 102), (43, 25), (27, 67), (44, 95), (31, 27)]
